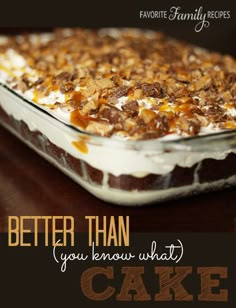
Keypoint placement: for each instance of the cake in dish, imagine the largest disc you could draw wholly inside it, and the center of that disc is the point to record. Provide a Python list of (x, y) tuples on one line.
[(133, 116)]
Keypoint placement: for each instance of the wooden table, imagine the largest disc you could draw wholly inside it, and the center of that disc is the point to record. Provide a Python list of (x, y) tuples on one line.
[(29, 185)]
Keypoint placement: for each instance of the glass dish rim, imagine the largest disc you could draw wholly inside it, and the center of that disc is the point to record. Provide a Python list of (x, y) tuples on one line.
[(225, 140)]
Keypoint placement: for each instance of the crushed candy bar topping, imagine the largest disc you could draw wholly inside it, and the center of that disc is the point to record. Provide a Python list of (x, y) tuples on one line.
[(125, 82)]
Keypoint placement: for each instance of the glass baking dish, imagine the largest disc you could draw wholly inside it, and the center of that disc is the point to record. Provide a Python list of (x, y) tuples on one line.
[(123, 172)]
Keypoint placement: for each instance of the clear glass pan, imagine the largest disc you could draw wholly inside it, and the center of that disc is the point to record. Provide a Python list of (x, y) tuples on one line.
[(123, 171)]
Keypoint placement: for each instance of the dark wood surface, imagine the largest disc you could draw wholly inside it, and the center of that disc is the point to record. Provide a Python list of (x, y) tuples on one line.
[(29, 185)]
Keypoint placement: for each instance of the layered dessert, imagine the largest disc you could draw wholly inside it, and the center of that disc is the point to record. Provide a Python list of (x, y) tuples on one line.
[(133, 116)]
